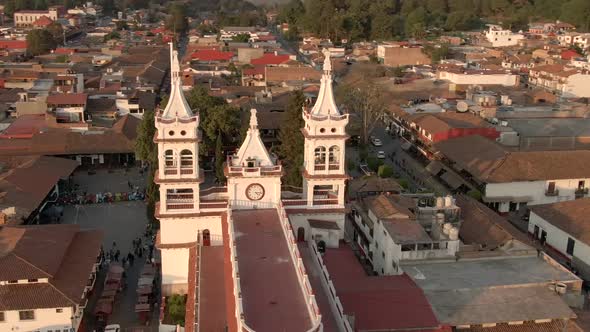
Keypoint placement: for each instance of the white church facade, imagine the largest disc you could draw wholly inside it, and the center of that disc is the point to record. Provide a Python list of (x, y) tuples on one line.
[(249, 217)]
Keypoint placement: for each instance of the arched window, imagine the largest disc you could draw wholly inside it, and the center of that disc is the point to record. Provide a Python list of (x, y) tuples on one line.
[(169, 158), (186, 159), (334, 155), (320, 155)]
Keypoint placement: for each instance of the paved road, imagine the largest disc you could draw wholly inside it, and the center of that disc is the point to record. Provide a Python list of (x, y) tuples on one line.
[(402, 163)]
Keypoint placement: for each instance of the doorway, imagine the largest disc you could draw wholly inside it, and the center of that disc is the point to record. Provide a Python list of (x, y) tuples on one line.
[(536, 232), (206, 238), (543, 237), (300, 234)]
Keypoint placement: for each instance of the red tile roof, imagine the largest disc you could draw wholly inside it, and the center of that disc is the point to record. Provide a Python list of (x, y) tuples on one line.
[(42, 21), (64, 51), (67, 99), (13, 44), (270, 59), (212, 55), (569, 54), (372, 299), (63, 253), (257, 70)]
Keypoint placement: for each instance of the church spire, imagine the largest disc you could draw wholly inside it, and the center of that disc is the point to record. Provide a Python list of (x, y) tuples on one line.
[(325, 104), (177, 106), (253, 148)]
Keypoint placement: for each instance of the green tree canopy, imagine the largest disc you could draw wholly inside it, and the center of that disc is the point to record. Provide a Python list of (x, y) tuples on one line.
[(40, 41), (291, 142)]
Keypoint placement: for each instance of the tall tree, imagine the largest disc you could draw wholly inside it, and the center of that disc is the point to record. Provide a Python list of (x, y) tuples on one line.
[(368, 102), (219, 160), (291, 142), (145, 148), (40, 41)]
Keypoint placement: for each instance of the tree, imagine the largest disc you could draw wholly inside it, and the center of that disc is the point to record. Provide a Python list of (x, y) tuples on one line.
[(40, 5), (385, 171), (368, 102), (219, 160), (177, 21), (57, 32), (291, 141), (40, 41), (145, 148)]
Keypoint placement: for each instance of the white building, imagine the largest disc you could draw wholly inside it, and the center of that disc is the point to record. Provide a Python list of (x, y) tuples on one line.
[(514, 179), (563, 226), (388, 231), (46, 272), (461, 76), (499, 37), (582, 40), (577, 86), (234, 228), (25, 18)]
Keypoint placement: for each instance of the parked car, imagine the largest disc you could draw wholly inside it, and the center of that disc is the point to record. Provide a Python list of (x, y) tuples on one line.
[(376, 142), (381, 154)]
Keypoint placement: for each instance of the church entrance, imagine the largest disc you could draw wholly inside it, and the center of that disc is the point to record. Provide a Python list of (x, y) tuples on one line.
[(300, 234), (206, 238)]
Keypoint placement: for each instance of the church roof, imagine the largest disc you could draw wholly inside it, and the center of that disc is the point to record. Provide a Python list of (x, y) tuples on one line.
[(325, 104), (253, 148), (177, 106)]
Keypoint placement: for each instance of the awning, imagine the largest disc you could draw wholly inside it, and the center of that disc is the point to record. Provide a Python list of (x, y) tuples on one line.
[(452, 179), (434, 167), (503, 199)]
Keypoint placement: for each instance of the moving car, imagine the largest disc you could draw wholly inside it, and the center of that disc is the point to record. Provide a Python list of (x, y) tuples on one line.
[(112, 328), (376, 142), (381, 154)]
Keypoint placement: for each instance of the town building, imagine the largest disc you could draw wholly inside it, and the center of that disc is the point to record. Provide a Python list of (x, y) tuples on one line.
[(46, 274), (499, 37), (464, 77), (395, 55), (510, 180), (562, 226), (27, 18)]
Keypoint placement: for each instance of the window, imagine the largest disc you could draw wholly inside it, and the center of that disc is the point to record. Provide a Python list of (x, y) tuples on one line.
[(171, 133), (551, 187), (383, 254), (1, 316), (13, 281), (59, 310), (377, 245), (186, 158), (571, 243), (26, 315), (581, 184), (33, 280)]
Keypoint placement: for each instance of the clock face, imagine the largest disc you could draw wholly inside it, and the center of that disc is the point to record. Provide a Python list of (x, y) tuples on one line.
[(255, 192)]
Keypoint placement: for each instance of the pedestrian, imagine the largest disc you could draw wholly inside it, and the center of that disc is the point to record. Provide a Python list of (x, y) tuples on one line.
[(139, 251), (123, 261), (117, 255), (114, 244), (131, 258), (129, 184)]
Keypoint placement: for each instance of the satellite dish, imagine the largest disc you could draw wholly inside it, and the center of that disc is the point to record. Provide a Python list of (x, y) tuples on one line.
[(462, 107)]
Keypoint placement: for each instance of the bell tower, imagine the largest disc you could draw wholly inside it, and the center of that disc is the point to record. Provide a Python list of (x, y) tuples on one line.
[(253, 175), (324, 173), (178, 177)]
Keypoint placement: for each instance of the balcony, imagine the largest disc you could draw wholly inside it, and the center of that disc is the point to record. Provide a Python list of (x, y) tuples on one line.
[(554, 192), (581, 192)]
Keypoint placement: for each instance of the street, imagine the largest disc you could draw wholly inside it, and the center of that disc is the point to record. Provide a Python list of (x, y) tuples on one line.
[(402, 163)]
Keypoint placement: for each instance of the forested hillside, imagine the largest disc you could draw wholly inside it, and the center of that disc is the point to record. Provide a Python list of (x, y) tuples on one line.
[(385, 19)]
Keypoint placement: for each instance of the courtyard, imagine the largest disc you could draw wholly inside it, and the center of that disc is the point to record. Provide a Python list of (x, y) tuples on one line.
[(122, 222)]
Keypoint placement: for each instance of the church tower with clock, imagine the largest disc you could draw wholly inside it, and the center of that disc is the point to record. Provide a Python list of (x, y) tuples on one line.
[(253, 175)]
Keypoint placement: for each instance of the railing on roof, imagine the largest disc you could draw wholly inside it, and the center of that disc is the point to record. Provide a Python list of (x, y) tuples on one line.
[(341, 319), (333, 117), (252, 170), (302, 277)]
